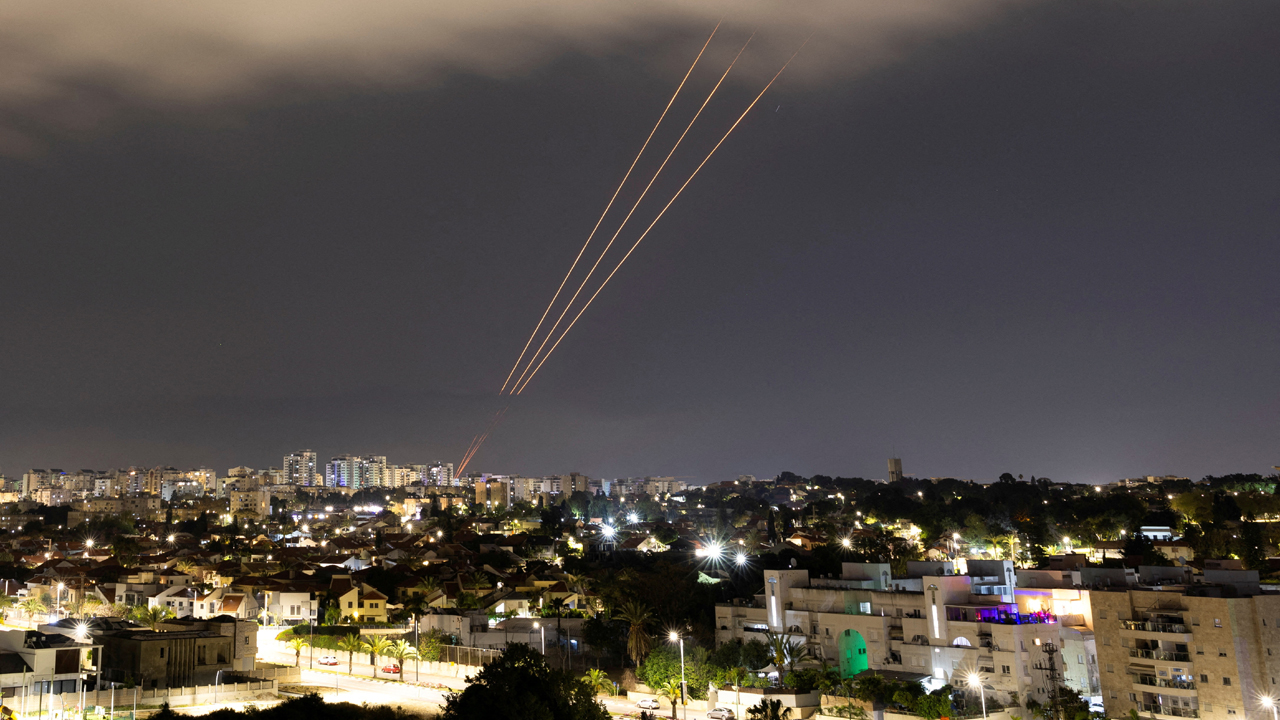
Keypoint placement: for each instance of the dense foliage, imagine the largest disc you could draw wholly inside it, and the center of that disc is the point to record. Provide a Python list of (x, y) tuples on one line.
[(307, 707), (519, 684)]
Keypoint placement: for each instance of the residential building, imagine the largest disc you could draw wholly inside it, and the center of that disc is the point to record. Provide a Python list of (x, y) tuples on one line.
[(493, 494), (1209, 649), (931, 622), (300, 467), (251, 503), (44, 661)]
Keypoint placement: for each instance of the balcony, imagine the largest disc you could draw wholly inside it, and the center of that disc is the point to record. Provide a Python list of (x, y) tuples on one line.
[(1169, 710), (1165, 655), (1153, 681), (1156, 627)]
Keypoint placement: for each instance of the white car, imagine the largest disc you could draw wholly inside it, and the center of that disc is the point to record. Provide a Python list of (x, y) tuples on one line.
[(648, 704), (720, 713), (328, 660)]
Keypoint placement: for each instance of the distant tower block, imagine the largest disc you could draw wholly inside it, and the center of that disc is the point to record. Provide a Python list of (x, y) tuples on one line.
[(895, 469)]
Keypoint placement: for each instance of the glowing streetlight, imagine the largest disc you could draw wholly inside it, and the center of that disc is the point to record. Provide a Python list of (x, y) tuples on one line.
[(1269, 703), (675, 637), (89, 543), (740, 559), (633, 518), (846, 542), (608, 531), (538, 626), (975, 682), (171, 538)]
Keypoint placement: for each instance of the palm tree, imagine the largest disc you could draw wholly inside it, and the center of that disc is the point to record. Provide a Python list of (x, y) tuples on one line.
[(769, 710), (427, 588), (33, 606), (375, 646), (151, 616), (637, 617), (401, 650), (671, 691), (296, 644), (599, 681), (350, 644)]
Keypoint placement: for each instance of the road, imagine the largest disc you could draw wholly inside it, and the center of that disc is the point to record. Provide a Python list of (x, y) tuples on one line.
[(361, 687)]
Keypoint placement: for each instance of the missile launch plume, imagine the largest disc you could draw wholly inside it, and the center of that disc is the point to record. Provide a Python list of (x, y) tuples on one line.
[(609, 205), (659, 217), (609, 245)]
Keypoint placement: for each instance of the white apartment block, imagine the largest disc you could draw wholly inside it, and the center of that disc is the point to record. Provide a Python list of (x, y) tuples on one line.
[(299, 468), (933, 623)]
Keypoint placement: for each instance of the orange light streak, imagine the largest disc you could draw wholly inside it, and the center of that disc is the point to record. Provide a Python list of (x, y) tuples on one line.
[(653, 179), (551, 304), (471, 453), (659, 217)]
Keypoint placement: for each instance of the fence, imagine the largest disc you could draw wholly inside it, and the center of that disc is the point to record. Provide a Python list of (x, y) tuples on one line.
[(277, 673), (463, 655), (67, 705)]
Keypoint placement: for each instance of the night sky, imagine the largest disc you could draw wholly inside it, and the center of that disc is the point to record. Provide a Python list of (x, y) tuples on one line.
[(1041, 238)]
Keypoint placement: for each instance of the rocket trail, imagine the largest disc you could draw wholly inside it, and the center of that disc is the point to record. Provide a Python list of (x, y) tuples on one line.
[(659, 217), (608, 245), (606, 210), (471, 452)]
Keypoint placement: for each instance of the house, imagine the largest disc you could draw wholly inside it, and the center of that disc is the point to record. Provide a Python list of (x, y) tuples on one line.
[(358, 600), (225, 602), (55, 662)]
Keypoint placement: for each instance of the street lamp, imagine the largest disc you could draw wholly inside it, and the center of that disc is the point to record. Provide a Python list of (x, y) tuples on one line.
[(58, 609), (1269, 703), (955, 544), (676, 637), (975, 682), (538, 626)]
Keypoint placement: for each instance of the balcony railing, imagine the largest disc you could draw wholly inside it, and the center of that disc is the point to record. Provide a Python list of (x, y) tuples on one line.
[(1164, 683), (1160, 655), (1170, 710), (1148, 626)]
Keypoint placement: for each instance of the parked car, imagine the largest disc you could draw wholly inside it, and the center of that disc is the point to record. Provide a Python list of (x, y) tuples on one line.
[(720, 713), (328, 660), (391, 669), (647, 704)]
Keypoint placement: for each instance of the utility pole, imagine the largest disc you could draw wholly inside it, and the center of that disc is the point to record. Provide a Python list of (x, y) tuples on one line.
[(1050, 666)]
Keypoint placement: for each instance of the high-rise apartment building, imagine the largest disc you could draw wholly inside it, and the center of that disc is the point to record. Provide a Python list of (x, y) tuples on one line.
[(439, 473), (895, 469), (357, 471), (300, 467)]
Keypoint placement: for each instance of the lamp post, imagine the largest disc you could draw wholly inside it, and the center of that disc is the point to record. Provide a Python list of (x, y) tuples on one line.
[(57, 610), (975, 682), (1270, 703), (955, 545), (684, 706), (538, 626)]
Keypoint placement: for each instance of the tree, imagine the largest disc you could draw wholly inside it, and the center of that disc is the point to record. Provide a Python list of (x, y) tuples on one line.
[(637, 617), (519, 683), (671, 691), (6, 604), (350, 644), (33, 606), (296, 644), (599, 681), (376, 645), (401, 650), (768, 710), (151, 616)]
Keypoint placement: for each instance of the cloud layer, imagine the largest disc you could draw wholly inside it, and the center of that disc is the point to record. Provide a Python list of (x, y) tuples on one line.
[(70, 66)]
